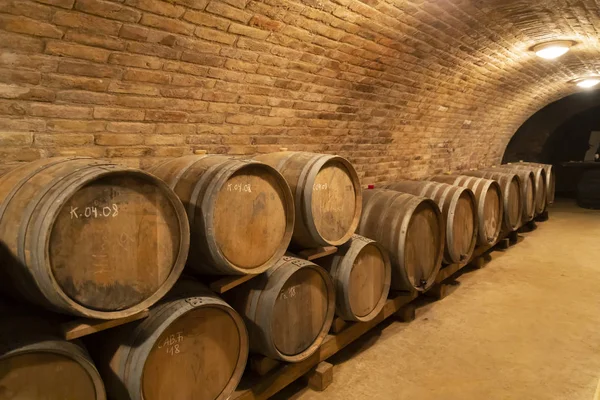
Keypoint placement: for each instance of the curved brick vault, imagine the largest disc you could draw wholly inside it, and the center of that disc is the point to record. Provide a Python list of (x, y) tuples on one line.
[(401, 87)]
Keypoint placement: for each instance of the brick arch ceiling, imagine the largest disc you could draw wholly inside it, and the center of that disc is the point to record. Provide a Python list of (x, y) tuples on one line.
[(403, 88)]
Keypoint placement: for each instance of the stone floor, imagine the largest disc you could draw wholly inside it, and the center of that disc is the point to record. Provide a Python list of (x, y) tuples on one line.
[(525, 327)]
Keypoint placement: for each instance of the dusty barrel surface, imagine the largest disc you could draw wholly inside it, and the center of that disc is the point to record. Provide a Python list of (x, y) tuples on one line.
[(411, 229), (241, 212), (193, 345), (459, 209), (490, 207), (527, 191), (541, 196), (361, 272), (288, 309), (36, 364), (90, 238), (510, 184), (327, 196), (550, 179)]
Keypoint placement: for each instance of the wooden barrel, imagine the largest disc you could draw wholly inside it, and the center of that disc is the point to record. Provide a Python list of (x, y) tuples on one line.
[(361, 273), (36, 364), (510, 184), (459, 209), (550, 179), (490, 207), (241, 212), (527, 191), (90, 238), (193, 345), (411, 229), (288, 309), (327, 195), (540, 184)]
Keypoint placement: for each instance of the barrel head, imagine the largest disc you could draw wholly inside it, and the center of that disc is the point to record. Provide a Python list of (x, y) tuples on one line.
[(114, 242), (194, 358), (251, 216), (44, 375), (334, 201)]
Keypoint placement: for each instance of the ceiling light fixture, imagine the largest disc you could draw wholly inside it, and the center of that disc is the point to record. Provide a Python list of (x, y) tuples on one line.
[(588, 83), (553, 50)]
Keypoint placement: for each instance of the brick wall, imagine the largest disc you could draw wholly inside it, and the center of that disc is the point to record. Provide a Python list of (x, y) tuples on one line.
[(400, 87)]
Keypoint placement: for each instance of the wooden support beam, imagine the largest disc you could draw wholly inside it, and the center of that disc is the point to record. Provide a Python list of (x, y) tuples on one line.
[(478, 262), (503, 244), (229, 282), (319, 252), (338, 325), (263, 365), (320, 377), (543, 217), (84, 326), (513, 237), (406, 313)]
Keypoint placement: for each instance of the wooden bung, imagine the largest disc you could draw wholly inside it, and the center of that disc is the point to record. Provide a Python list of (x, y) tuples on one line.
[(288, 309), (510, 184), (411, 229), (90, 238), (490, 207), (527, 191), (550, 179), (327, 195), (361, 273), (541, 197), (35, 363), (241, 212), (193, 345), (459, 209)]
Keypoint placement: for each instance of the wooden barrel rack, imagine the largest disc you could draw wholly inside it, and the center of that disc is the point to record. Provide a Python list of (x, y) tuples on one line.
[(400, 305)]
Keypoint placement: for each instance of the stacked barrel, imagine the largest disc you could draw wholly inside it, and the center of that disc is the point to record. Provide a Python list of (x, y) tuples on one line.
[(90, 238)]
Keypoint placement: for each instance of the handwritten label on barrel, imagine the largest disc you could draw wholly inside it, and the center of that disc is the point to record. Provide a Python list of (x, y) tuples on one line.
[(288, 293), (239, 187), (320, 186), (171, 343), (108, 211)]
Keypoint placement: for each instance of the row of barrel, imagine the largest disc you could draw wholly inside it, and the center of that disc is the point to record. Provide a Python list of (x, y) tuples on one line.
[(129, 230)]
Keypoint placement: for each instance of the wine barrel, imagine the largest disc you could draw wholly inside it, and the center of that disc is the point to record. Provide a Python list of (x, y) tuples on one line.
[(527, 191), (361, 274), (411, 229), (327, 195), (510, 184), (90, 238), (540, 184), (288, 309), (550, 179), (36, 364), (241, 212), (459, 209), (193, 345), (490, 207)]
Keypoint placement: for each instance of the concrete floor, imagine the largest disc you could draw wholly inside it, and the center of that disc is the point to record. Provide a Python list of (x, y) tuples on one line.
[(525, 327)]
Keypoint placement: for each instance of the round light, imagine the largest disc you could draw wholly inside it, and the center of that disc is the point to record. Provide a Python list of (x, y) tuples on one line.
[(588, 83), (552, 50)]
